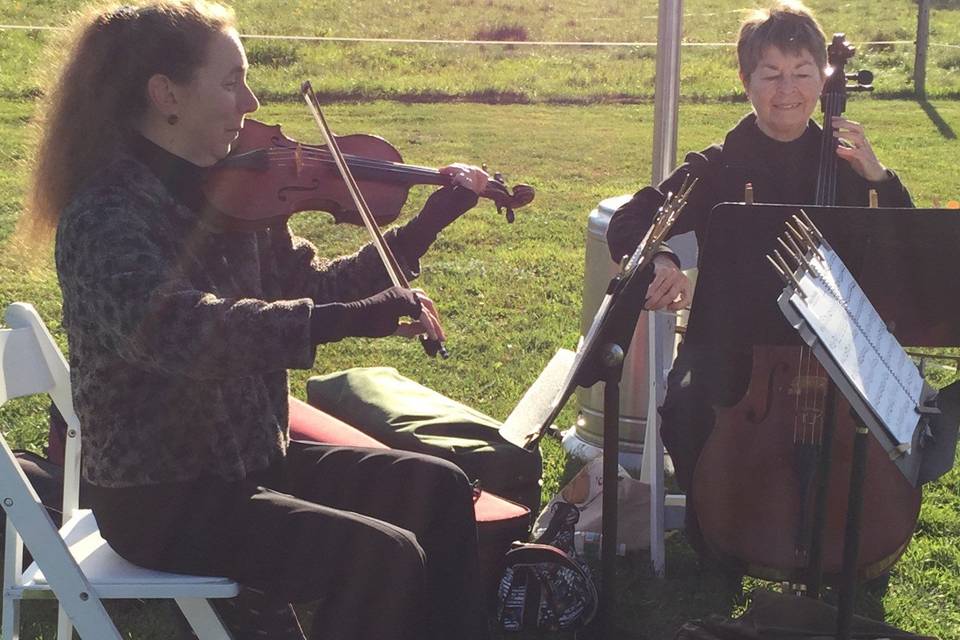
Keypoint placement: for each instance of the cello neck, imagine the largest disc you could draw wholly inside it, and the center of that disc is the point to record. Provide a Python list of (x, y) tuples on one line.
[(833, 102)]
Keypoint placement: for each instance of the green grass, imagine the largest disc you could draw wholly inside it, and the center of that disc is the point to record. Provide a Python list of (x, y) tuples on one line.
[(510, 294), (512, 73)]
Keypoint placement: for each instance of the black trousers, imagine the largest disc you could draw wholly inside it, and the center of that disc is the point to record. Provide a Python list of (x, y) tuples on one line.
[(699, 380), (386, 540)]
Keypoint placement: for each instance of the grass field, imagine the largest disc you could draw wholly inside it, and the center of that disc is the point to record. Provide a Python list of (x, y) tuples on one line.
[(510, 294), (514, 73)]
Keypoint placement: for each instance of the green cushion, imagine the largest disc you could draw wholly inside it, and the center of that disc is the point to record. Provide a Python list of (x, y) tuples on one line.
[(404, 414)]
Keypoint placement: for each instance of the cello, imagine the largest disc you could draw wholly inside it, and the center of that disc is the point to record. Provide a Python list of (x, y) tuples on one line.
[(771, 485)]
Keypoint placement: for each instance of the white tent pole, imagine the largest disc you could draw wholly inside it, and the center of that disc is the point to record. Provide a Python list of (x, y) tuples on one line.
[(666, 98), (667, 91)]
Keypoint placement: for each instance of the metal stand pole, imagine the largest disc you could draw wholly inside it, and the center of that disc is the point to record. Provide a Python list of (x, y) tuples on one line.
[(612, 358), (851, 541)]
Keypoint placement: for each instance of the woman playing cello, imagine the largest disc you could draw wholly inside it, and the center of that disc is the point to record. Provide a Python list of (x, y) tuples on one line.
[(782, 60)]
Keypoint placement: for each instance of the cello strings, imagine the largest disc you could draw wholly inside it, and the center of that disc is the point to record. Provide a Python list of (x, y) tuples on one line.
[(813, 375)]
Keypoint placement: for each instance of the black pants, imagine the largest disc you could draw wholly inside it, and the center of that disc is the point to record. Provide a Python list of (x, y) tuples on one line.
[(386, 540), (699, 380)]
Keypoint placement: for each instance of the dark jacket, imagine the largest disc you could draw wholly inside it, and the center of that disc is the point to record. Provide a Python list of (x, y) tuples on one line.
[(710, 371), (179, 336), (781, 173)]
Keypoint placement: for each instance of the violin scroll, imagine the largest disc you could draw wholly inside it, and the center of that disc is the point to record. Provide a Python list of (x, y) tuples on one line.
[(505, 201)]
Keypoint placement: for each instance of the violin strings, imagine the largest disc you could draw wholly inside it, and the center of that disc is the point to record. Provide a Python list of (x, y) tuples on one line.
[(361, 166), (353, 160), (324, 157)]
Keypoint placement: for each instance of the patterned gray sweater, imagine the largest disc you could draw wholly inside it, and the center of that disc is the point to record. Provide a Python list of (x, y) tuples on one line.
[(180, 337)]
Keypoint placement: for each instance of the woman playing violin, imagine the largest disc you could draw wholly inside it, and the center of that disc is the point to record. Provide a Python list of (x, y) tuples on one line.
[(180, 336), (782, 61)]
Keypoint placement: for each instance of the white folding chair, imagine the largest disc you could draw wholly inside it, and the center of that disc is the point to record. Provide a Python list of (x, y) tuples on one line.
[(74, 565)]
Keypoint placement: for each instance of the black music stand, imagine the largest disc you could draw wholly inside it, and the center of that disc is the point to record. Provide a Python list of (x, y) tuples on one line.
[(900, 258), (599, 359)]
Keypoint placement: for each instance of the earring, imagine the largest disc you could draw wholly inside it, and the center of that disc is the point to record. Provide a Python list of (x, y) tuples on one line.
[(173, 119)]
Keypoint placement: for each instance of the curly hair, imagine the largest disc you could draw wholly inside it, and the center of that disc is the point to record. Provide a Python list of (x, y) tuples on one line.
[(789, 26), (99, 90)]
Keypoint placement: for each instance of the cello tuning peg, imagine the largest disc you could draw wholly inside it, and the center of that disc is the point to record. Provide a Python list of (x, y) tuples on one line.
[(862, 77)]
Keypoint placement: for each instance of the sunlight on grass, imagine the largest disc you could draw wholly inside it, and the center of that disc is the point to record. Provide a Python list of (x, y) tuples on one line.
[(577, 124)]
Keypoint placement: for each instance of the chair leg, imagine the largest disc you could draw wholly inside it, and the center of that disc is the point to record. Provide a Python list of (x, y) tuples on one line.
[(11, 619), (204, 621), (64, 626)]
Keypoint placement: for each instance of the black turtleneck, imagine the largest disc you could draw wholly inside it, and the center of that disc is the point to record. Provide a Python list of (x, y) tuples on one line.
[(781, 172), (182, 178)]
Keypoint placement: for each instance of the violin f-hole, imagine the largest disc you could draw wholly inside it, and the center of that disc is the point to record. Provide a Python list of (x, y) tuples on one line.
[(281, 193)]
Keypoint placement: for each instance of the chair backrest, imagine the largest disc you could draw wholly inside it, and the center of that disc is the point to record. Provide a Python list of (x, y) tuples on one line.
[(31, 363)]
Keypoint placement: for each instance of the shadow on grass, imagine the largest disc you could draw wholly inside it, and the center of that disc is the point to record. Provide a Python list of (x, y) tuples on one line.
[(651, 608), (942, 125), (648, 608)]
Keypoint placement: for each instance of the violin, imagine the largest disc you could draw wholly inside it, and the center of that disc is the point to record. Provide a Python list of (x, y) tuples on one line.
[(775, 470), (268, 177)]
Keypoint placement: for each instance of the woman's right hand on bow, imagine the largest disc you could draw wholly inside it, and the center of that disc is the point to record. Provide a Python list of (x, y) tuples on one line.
[(427, 323), (380, 314)]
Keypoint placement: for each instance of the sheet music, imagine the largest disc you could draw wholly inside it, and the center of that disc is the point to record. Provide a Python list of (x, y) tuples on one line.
[(852, 331), (540, 404)]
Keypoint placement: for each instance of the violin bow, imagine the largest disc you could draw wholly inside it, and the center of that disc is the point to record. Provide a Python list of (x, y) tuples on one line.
[(430, 346)]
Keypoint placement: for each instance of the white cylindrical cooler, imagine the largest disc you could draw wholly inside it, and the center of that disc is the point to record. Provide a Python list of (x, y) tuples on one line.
[(585, 439)]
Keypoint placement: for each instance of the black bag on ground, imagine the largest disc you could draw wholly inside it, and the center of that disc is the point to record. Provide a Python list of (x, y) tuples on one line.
[(404, 414), (545, 586)]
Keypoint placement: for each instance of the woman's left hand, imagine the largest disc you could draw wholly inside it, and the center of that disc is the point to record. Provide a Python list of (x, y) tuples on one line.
[(855, 149), (467, 175)]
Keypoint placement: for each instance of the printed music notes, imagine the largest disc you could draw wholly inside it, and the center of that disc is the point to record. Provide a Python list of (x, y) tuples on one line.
[(822, 293)]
